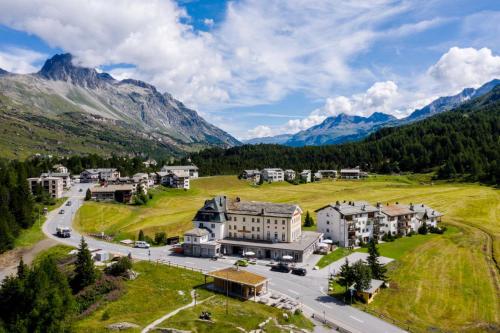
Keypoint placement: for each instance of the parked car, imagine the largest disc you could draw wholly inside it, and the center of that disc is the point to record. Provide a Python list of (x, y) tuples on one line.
[(142, 244), (299, 271), (281, 268), (241, 262), (68, 203), (61, 211), (63, 232)]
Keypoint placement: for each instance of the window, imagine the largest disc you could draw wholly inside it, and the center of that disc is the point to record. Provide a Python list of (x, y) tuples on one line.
[(275, 221), (244, 219), (275, 235), (230, 234), (258, 220), (268, 235), (268, 221), (327, 230), (253, 236), (253, 229), (258, 228), (213, 225), (253, 220), (283, 222), (235, 219), (213, 235), (327, 222), (258, 237), (229, 218), (283, 237)]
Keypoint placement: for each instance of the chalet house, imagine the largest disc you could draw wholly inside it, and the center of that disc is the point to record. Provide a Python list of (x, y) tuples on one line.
[(249, 174), (120, 193), (269, 230), (197, 244), (350, 173), (328, 173), (94, 175), (290, 175), (51, 185), (426, 214), (60, 168), (182, 170), (305, 175), (273, 175)]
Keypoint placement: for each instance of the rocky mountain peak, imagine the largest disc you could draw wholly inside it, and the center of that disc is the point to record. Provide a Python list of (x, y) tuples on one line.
[(2, 72), (61, 68)]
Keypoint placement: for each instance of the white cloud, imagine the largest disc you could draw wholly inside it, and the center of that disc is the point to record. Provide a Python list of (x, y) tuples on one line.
[(21, 61), (460, 68), (260, 131), (208, 22)]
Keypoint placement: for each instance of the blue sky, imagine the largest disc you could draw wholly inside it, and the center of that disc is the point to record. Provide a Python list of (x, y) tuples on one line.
[(258, 68)]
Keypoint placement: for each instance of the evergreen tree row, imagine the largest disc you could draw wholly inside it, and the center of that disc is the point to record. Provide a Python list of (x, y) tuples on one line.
[(464, 143)]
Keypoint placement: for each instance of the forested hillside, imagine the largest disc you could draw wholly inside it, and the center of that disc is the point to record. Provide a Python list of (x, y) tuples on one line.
[(464, 142)]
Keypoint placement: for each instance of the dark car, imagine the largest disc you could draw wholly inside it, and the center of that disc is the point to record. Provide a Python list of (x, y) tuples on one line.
[(299, 271), (281, 268)]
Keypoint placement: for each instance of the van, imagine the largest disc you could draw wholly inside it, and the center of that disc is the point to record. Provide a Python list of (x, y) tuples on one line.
[(142, 244)]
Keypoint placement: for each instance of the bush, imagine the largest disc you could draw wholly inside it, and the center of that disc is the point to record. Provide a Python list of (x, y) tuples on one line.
[(90, 297), (120, 267), (105, 315), (423, 229), (160, 238)]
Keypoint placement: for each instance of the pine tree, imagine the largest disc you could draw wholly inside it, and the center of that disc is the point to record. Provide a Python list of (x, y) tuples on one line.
[(362, 276), (308, 220), (85, 273), (346, 275), (141, 235), (378, 270), (88, 195)]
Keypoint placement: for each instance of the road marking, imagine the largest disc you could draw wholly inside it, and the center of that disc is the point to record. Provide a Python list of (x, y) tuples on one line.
[(326, 305), (293, 291), (356, 319)]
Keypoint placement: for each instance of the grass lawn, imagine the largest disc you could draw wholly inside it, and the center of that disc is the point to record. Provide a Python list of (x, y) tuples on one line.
[(245, 314), (333, 256), (446, 281), (160, 289), (57, 252), (34, 234)]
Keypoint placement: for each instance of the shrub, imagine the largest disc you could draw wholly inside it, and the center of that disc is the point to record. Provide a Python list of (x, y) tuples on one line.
[(105, 315), (120, 267)]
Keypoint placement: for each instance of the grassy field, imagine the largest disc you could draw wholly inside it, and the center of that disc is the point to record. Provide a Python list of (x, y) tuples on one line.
[(244, 314), (34, 234), (333, 256), (448, 281), (159, 290)]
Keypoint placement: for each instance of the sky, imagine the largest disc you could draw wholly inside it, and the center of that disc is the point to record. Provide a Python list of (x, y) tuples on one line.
[(261, 68)]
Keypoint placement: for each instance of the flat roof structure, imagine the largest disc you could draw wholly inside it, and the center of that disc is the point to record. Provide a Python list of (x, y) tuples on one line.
[(238, 275), (303, 242)]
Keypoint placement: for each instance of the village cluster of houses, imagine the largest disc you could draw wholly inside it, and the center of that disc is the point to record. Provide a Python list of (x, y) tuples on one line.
[(110, 185), (274, 230), (280, 175)]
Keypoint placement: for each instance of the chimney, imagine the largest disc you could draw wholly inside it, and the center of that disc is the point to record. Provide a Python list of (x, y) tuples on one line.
[(337, 203), (263, 211)]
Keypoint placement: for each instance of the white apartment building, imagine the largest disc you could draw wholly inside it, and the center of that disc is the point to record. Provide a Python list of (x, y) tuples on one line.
[(350, 173), (51, 185), (65, 176), (290, 175), (94, 175), (273, 175), (350, 223), (305, 175), (60, 168), (182, 170)]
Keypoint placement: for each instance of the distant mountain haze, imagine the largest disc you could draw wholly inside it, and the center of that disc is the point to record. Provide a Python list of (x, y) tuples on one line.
[(347, 128)]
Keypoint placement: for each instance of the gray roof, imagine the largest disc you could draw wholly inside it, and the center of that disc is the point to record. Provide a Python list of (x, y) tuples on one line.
[(199, 232), (55, 174), (180, 167), (356, 207), (261, 208), (421, 209), (273, 169), (98, 170), (335, 171), (214, 210), (306, 239), (350, 170), (374, 285)]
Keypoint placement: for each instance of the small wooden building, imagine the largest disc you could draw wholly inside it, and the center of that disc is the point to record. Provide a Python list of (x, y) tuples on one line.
[(238, 282), (367, 295)]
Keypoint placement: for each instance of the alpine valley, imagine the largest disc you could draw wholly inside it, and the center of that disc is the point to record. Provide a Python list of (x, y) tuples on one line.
[(65, 109), (347, 128)]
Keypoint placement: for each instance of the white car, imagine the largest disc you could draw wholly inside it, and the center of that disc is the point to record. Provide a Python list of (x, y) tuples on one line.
[(142, 244)]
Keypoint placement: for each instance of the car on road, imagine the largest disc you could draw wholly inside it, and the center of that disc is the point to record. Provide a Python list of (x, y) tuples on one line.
[(281, 268), (63, 232), (61, 211), (142, 244), (68, 203), (299, 271)]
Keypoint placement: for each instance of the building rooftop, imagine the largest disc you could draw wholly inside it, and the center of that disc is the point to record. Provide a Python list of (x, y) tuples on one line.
[(112, 188), (422, 209), (374, 285), (303, 242), (100, 170), (55, 174), (397, 210), (180, 167), (238, 275), (351, 208), (198, 232), (236, 206), (350, 170)]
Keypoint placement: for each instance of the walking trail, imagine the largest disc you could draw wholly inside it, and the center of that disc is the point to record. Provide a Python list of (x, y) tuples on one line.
[(173, 313)]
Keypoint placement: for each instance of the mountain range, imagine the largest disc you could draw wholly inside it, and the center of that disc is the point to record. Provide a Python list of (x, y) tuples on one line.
[(65, 108), (347, 128)]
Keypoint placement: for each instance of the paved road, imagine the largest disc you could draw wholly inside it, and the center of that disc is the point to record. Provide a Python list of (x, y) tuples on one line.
[(308, 290)]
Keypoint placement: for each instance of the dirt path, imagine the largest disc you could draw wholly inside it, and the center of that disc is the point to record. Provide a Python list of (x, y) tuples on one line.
[(173, 313), (10, 259)]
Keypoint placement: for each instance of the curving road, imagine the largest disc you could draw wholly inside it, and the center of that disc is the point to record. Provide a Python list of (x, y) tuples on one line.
[(308, 290)]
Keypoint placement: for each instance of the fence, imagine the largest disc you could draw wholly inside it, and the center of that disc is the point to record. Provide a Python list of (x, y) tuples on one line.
[(173, 264), (322, 319)]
